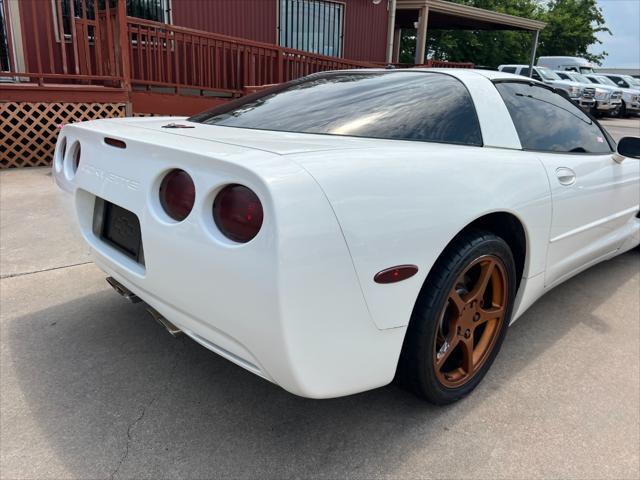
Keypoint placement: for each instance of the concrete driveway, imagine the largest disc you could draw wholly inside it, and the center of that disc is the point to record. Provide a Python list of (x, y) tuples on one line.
[(91, 387)]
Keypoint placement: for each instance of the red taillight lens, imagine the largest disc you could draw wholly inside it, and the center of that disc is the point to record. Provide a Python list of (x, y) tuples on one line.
[(237, 212), (177, 194)]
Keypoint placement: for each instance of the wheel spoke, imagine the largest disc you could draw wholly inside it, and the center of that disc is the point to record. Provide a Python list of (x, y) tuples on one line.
[(490, 314), (467, 354), (457, 300), (486, 270)]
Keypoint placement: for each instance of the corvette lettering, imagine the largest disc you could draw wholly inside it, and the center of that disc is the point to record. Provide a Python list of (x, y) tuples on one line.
[(110, 177)]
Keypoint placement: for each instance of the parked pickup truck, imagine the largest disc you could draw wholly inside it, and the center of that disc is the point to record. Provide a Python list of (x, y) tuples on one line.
[(580, 94), (630, 100), (608, 99), (570, 64), (624, 81)]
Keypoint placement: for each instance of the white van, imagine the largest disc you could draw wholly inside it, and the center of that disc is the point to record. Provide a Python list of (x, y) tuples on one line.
[(571, 64)]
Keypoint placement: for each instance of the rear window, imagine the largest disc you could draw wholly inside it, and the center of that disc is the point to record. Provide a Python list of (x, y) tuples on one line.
[(396, 105)]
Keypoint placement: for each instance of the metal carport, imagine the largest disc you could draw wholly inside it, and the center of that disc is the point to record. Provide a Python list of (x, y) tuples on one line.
[(422, 14)]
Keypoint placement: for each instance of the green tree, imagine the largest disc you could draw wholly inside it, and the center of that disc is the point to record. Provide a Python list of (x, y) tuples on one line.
[(572, 26)]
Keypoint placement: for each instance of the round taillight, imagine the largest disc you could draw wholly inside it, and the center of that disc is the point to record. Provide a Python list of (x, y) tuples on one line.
[(237, 212), (177, 194)]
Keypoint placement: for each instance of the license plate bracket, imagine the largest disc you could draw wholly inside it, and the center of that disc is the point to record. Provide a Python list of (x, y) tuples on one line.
[(119, 228)]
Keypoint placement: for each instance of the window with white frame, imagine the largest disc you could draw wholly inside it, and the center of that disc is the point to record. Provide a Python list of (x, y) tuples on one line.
[(315, 26), (4, 40)]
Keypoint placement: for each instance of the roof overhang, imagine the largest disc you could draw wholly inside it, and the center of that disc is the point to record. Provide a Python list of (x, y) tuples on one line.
[(454, 16)]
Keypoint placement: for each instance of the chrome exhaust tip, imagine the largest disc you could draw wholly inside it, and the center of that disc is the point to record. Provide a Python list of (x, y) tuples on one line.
[(122, 290), (133, 298), (169, 327)]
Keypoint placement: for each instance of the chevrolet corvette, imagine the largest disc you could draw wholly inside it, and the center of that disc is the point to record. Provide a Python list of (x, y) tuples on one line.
[(349, 228)]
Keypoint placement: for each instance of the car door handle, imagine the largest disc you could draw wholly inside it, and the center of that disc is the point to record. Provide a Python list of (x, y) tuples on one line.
[(566, 176)]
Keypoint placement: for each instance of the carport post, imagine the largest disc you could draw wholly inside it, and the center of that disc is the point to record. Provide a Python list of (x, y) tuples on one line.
[(421, 38), (534, 37)]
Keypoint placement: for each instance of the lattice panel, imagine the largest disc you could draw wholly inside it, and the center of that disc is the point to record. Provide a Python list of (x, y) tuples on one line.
[(28, 131)]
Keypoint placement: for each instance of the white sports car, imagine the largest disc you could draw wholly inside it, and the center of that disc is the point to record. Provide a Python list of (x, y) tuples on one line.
[(352, 227)]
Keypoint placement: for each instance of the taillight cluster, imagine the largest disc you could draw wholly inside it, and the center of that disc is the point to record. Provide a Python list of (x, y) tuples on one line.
[(177, 194), (237, 210)]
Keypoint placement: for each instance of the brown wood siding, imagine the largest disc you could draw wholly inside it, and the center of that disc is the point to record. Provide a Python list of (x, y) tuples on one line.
[(252, 19), (364, 35)]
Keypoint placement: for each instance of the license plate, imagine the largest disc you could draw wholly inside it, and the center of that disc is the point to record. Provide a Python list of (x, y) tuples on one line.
[(118, 227)]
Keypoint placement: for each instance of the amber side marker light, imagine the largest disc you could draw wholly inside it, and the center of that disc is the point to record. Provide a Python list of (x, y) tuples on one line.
[(114, 142), (395, 274)]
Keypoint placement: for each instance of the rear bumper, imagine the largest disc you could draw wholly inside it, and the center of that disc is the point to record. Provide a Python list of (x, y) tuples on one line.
[(286, 306)]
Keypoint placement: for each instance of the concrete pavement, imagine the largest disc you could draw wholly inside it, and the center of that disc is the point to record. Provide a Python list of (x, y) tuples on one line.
[(91, 387), (622, 127)]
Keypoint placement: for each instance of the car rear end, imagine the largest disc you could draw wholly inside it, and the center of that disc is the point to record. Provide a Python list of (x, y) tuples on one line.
[(284, 303)]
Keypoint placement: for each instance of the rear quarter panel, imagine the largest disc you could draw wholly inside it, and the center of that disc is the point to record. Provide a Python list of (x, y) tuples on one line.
[(403, 202)]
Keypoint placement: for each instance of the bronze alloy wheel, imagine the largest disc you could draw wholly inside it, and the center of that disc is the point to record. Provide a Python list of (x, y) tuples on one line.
[(471, 321)]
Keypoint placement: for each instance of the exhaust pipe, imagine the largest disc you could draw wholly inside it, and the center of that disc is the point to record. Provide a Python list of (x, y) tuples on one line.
[(170, 327), (122, 290), (133, 298)]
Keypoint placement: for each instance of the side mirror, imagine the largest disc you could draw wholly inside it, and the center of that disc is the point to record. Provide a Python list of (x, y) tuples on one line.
[(628, 147)]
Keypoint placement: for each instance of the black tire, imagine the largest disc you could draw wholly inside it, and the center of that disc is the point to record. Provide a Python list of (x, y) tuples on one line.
[(622, 112), (416, 370)]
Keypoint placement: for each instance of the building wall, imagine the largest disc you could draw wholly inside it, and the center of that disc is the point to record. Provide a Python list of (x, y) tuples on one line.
[(252, 19), (364, 35)]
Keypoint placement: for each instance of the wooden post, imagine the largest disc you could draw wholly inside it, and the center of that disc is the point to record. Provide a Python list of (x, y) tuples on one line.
[(397, 37), (122, 50), (422, 35), (534, 46), (280, 53)]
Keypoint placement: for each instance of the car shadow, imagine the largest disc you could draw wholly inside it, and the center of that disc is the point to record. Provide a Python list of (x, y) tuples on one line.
[(114, 395)]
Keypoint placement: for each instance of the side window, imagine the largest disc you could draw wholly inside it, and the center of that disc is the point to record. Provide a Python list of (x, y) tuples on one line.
[(620, 81), (547, 122), (564, 76), (509, 69)]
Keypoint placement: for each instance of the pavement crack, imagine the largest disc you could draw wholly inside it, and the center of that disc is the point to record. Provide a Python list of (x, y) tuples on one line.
[(22, 274), (145, 408)]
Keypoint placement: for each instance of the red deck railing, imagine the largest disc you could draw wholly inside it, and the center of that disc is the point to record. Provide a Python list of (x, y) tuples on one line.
[(105, 47), (170, 56), (58, 50)]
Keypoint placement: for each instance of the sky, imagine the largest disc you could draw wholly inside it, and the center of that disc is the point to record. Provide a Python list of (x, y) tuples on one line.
[(623, 47)]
